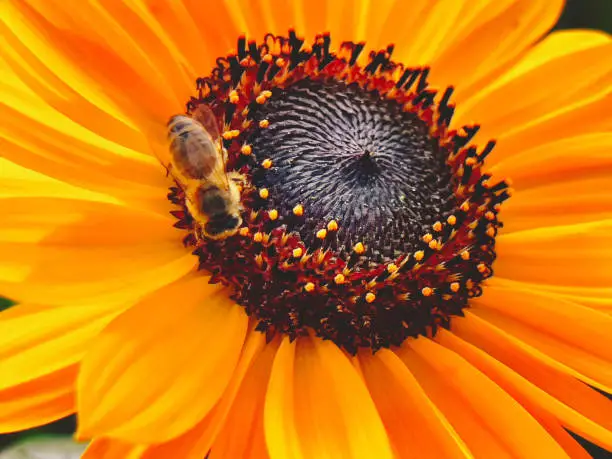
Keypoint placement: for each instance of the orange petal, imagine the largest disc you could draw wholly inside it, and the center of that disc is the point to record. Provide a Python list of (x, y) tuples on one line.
[(103, 250), (318, 406), (104, 448), (196, 442), (481, 412), (415, 426), (242, 434), (574, 189), (538, 385), (553, 75), (490, 37), (39, 401), (119, 398), (571, 334), (39, 340), (571, 255)]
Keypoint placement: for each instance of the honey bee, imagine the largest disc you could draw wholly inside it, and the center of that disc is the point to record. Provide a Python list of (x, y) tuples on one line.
[(198, 165)]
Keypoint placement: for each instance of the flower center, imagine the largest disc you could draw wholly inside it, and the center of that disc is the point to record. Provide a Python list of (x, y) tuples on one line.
[(347, 155), (364, 219)]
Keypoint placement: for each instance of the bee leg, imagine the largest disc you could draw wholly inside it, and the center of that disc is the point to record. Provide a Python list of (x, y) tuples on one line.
[(168, 170)]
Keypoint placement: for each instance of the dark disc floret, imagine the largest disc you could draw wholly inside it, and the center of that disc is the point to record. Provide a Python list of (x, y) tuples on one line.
[(366, 220)]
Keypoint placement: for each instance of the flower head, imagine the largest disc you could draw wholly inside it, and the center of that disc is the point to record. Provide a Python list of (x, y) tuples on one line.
[(317, 277)]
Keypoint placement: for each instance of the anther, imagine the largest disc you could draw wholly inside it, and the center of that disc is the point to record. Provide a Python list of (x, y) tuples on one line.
[(370, 297), (244, 231), (266, 163), (260, 99), (433, 244), (228, 135), (359, 248), (309, 286), (322, 233), (426, 291), (297, 252), (482, 268), (264, 124), (437, 226), (465, 255), (332, 225), (234, 97), (264, 193), (339, 279), (298, 210), (490, 215), (258, 237), (491, 231), (418, 255), (465, 206), (267, 58), (427, 238), (273, 214), (392, 267), (246, 150), (451, 220), (280, 62), (454, 286)]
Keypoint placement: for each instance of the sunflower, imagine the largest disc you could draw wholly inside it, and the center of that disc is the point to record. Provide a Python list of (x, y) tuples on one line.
[(348, 307)]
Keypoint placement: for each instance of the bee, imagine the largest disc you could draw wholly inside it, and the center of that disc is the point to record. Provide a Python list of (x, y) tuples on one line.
[(197, 163)]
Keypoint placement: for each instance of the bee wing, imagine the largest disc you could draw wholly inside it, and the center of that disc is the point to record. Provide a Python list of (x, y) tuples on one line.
[(204, 115)]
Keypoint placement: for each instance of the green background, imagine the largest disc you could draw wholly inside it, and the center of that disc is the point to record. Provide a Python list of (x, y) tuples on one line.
[(591, 14)]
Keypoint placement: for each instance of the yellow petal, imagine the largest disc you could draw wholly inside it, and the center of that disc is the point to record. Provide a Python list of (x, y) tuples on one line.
[(574, 189), (196, 442), (39, 401), (104, 448), (573, 335), (318, 406), (39, 340), (540, 84), (189, 335), (532, 380), (571, 255), (480, 411), (490, 38), (58, 251), (242, 434), (415, 426)]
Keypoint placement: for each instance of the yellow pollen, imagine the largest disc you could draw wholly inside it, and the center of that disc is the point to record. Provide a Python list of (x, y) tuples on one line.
[(264, 124), (280, 62), (266, 163), (297, 252), (482, 267), (244, 231), (427, 238), (490, 215), (322, 233), (339, 279), (465, 255), (454, 286), (298, 210), (267, 94), (451, 220), (227, 135), (359, 248), (309, 287), (437, 226), (433, 244), (370, 297), (233, 97), (246, 150), (332, 225), (258, 237), (491, 231), (418, 256), (392, 267), (260, 99), (465, 206), (470, 161), (427, 291), (273, 214), (267, 58), (264, 193)]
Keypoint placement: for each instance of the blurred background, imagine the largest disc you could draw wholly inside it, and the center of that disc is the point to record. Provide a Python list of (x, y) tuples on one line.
[(588, 14)]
